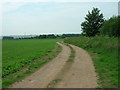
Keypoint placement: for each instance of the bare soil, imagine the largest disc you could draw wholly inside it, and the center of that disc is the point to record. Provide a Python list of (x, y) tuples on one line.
[(79, 74)]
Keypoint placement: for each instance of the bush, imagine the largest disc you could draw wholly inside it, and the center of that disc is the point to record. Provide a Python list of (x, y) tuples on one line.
[(111, 27)]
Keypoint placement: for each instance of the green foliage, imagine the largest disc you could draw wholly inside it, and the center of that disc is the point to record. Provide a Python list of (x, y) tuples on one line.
[(104, 51), (47, 36), (27, 66), (93, 21), (8, 37), (72, 55), (56, 36), (111, 27)]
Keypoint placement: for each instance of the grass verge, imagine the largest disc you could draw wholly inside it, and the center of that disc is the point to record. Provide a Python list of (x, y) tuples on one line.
[(104, 52)]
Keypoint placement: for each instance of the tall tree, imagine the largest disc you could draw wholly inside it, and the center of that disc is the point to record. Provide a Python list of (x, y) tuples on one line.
[(93, 21)]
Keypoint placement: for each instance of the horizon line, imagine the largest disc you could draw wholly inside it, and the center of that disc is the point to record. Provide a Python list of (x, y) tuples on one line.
[(40, 34)]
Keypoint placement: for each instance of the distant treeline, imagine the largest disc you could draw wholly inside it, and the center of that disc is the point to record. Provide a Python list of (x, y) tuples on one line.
[(7, 37), (49, 36), (57, 36)]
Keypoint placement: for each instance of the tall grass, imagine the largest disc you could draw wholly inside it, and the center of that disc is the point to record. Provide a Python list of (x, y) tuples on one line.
[(104, 51)]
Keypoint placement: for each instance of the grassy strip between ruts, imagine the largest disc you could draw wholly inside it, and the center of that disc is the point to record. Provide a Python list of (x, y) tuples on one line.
[(66, 68), (104, 52), (72, 56), (32, 67)]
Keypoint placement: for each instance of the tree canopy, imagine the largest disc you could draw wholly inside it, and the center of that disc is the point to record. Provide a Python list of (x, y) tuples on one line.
[(93, 21), (111, 27)]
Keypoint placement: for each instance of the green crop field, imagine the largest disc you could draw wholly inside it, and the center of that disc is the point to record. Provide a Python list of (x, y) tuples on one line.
[(104, 51), (20, 54)]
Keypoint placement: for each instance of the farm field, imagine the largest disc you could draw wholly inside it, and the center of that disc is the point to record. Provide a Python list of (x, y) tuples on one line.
[(17, 55), (104, 51)]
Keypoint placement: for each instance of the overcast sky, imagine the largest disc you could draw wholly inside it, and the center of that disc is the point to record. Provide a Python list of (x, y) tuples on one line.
[(21, 18)]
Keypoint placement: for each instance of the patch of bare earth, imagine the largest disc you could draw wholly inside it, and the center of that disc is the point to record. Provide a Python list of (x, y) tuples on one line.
[(81, 74)]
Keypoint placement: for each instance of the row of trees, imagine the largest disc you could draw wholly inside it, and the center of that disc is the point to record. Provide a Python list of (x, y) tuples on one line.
[(8, 37), (49, 36), (56, 36), (95, 24), (46, 36)]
